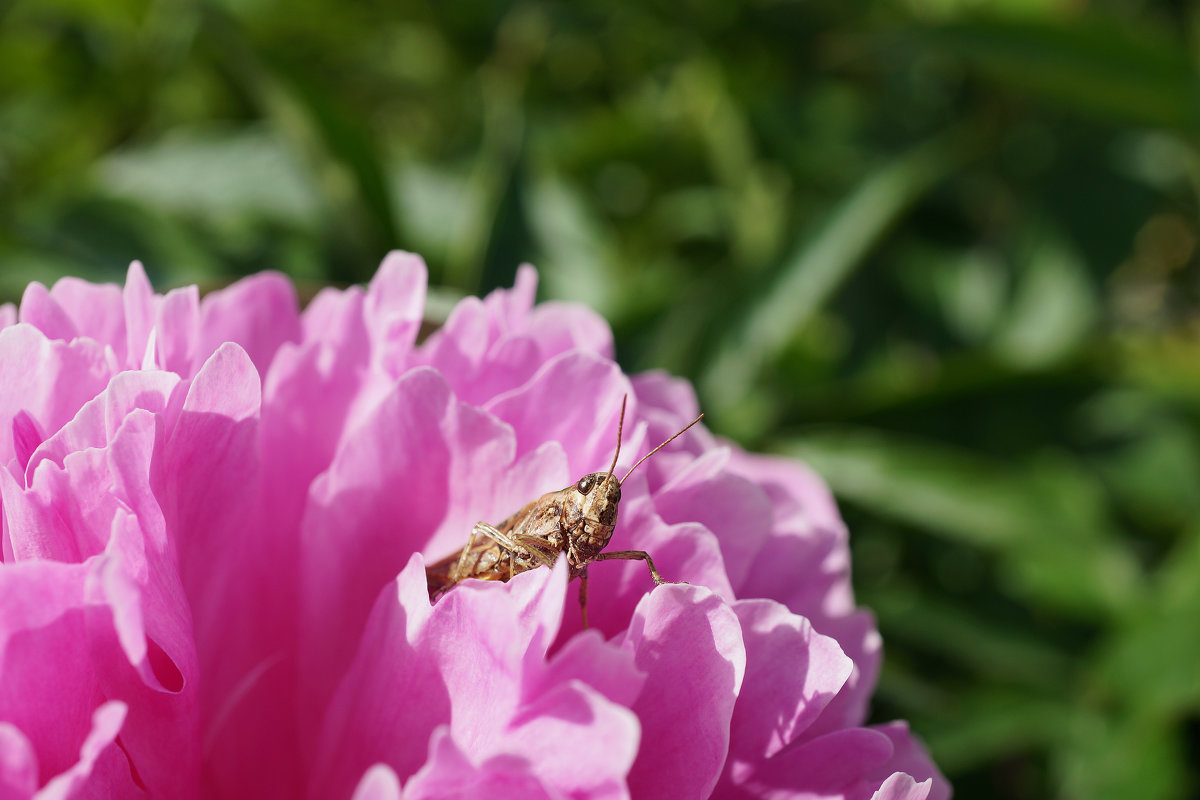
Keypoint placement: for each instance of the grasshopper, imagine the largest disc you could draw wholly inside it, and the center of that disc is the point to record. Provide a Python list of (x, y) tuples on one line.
[(577, 521)]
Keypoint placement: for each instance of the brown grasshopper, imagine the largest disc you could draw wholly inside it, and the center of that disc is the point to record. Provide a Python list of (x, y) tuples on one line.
[(577, 520)]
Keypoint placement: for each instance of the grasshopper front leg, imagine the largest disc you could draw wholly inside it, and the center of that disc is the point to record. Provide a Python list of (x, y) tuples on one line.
[(640, 555), (583, 597)]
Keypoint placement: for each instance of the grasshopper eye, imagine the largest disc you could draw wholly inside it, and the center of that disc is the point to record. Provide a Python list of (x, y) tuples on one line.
[(585, 484)]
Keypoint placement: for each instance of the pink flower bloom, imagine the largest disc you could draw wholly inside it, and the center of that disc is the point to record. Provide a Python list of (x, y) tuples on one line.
[(216, 516)]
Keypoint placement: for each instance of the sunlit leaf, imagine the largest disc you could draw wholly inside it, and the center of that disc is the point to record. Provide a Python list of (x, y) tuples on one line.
[(219, 175)]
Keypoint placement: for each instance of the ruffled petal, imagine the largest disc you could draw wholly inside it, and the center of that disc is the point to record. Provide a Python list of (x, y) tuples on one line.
[(177, 330), (910, 760), (378, 783), (18, 764), (477, 662), (585, 393), (141, 308), (792, 673), (450, 774), (48, 380), (419, 465), (102, 769), (260, 313), (95, 310), (216, 515), (903, 787), (689, 644), (39, 309), (837, 766)]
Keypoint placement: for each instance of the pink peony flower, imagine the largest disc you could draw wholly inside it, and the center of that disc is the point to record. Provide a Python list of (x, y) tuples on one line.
[(216, 516)]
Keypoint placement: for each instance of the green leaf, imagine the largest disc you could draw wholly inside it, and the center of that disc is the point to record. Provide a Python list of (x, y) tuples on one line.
[(1117, 758), (1054, 307), (1152, 661), (1043, 517), (577, 253), (1113, 69), (959, 634), (824, 257), (988, 724)]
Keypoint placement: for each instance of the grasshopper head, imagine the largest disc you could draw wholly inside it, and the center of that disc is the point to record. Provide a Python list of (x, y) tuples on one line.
[(599, 495)]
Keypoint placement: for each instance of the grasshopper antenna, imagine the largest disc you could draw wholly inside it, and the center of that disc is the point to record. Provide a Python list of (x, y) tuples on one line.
[(620, 427), (660, 447)]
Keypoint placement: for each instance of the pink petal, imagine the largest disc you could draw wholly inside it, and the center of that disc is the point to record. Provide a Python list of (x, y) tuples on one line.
[(792, 672), (371, 718), (141, 309), (95, 309), (588, 657), (308, 393), (42, 623), (73, 635), (508, 308), (579, 743), (260, 313), (837, 766), (177, 330), (859, 639), (149, 614), (687, 552), (557, 327), (67, 511), (18, 764), (809, 528), (102, 769), (378, 783), (419, 458), (490, 347), (40, 309), (902, 787), (669, 398), (690, 646), (458, 347), (909, 758), (232, 563), (8, 315), (393, 310), (477, 661), (792, 486), (574, 399), (49, 380), (667, 404), (107, 486), (36, 529), (138, 626), (27, 435), (736, 511), (450, 774), (97, 422)]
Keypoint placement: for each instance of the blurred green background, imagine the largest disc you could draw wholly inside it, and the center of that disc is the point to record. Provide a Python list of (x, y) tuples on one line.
[(946, 250)]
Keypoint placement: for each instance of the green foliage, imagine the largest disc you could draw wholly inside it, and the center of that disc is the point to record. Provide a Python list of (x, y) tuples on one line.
[(945, 251)]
